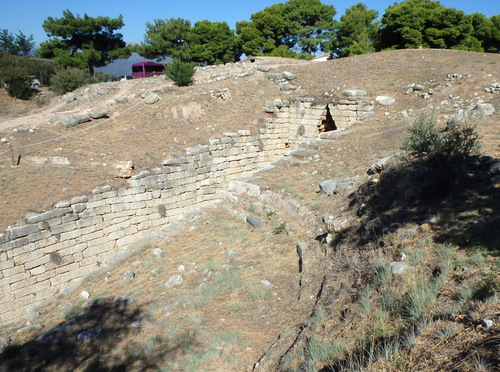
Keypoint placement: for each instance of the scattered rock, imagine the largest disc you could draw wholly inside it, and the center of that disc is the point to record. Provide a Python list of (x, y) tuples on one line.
[(90, 334), (151, 98), (157, 252), (60, 160), (121, 99), (385, 100), (174, 280), (265, 283), (289, 76), (98, 113), (129, 275), (482, 110), (487, 323), (101, 91), (332, 187), (85, 295), (398, 267), (123, 169), (70, 97), (254, 221), (73, 120), (381, 164), (4, 342)]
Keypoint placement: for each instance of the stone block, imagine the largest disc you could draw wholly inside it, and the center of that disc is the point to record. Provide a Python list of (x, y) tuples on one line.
[(22, 231)]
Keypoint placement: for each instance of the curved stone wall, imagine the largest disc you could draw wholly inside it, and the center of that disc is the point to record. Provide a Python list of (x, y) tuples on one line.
[(59, 247)]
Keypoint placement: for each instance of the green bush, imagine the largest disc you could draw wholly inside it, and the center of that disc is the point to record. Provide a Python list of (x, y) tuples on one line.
[(67, 80), (438, 153), (427, 142), (17, 82), (181, 73)]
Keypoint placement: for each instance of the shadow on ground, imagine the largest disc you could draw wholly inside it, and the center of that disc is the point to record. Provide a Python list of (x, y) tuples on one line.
[(96, 340)]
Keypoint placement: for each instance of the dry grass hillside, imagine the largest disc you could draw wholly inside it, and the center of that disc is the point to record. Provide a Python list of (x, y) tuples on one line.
[(245, 301)]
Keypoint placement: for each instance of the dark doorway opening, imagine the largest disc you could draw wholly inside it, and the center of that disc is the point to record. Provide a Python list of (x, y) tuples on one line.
[(328, 124)]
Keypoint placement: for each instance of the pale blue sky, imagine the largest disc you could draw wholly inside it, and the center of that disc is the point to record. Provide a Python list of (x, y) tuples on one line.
[(28, 15)]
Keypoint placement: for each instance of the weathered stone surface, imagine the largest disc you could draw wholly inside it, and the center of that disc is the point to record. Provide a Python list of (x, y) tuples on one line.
[(385, 100), (263, 68), (151, 98), (101, 91), (121, 99), (398, 267), (289, 76), (494, 168), (124, 169), (69, 97), (254, 221), (90, 334), (354, 92), (332, 187), (174, 280), (98, 113), (73, 120), (381, 164), (482, 110)]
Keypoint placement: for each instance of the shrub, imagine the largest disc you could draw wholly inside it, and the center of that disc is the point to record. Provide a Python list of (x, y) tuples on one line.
[(438, 153), (427, 142), (67, 80), (17, 81), (181, 73)]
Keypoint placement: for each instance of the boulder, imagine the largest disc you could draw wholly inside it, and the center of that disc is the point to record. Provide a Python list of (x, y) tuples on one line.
[(121, 99), (123, 169), (398, 267), (385, 100), (332, 187), (70, 97), (151, 98), (174, 280), (90, 334), (254, 221), (98, 113), (289, 76), (73, 120), (482, 110)]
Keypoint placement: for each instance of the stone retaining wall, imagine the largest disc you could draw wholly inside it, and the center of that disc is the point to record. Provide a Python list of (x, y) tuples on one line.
[(56, 248)]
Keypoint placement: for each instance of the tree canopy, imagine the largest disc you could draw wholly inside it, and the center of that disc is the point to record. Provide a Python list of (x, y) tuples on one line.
[(212, 43), (166, 38), (357, 31), (17, 45), (296, 26), (426, 23), (83, 42)]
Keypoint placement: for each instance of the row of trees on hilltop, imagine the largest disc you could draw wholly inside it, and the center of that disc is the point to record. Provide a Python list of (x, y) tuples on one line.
[(302, 28), (294, 28)]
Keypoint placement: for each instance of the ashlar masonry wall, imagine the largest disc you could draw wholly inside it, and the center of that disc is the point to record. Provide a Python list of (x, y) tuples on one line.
[(56, 248)]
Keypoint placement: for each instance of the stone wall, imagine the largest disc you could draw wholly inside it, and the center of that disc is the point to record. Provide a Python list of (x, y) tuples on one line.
[(57, 248)]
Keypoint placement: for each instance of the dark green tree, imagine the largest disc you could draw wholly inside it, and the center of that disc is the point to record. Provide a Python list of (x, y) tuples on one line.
[(287, 28), (181, 73), (426, 23), (357, 31), (310, 24), (486, 32), (83, 42), (166, 38), (18, 45), (212, 43)]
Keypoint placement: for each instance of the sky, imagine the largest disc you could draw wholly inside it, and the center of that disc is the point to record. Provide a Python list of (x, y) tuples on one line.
[(27, 16)]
